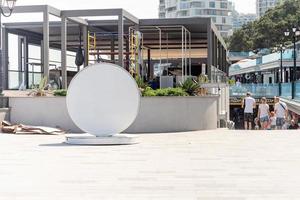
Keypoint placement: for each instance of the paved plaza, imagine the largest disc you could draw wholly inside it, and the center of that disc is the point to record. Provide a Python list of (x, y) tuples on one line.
[(209, 165)]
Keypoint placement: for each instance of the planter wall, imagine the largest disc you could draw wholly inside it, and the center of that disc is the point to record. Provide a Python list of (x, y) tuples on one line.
[(157, 114), (42, 111), (175, 114), (4, 114), (3, 102)]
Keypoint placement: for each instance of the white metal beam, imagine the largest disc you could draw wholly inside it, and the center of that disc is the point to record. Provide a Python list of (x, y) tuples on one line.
[(78, 20), (130, 17), (92, 12)]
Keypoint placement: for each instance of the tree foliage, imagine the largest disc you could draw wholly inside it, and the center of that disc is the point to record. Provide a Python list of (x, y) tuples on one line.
[(268, 31)]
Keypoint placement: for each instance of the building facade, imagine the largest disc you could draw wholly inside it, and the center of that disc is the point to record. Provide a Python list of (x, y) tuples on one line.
[(220, 11), (240, 19), (262, 6)]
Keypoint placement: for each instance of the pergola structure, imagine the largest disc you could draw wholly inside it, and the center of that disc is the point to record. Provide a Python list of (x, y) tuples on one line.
[(191, 42)]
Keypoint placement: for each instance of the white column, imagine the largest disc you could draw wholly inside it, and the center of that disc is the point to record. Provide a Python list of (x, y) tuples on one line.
[(64, 52), (46, 44)]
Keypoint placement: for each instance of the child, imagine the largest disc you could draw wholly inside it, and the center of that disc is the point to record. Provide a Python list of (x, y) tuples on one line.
[(256, 121), (273, 121)]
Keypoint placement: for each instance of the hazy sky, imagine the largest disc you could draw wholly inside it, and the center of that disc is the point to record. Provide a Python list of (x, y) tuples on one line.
[(140, 8)]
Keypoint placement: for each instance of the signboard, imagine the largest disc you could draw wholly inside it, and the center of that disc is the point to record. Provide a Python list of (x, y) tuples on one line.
[(237, 101)]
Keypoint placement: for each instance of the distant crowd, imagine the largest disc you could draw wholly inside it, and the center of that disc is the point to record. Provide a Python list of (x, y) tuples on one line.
[(266, 119)]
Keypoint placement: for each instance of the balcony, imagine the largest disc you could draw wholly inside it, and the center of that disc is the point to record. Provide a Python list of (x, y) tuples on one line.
[(265, 90)]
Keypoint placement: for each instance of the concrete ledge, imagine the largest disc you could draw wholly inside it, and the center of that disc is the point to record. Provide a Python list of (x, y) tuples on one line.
[(4, 114), (42, 111), (175, 114), (156, 115)]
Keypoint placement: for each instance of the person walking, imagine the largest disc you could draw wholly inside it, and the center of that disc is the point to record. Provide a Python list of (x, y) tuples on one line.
[(281, 112), (273, 121), (248, 104), (264, 113), (294, 125)]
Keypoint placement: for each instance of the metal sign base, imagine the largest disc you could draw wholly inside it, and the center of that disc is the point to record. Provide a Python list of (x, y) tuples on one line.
[(119, 139)]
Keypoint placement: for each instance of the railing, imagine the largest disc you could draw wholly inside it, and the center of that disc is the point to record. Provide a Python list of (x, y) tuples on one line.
[(257, 90), (265, 90), (297, 96), (286, 90)]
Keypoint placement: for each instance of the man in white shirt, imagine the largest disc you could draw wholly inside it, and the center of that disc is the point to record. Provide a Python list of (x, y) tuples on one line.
[(281, 112), (248, 104)]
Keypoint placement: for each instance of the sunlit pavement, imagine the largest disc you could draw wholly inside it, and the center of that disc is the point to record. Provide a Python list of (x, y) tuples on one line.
[(198, 165)]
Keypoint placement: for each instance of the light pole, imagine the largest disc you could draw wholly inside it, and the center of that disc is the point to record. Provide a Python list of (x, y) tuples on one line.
[(296, 33), (10, 4), (281, 48)]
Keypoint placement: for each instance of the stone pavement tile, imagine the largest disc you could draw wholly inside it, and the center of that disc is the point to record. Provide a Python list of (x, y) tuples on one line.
[(198, 165)]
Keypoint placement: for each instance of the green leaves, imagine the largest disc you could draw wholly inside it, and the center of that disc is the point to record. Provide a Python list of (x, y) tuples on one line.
[(149, 92), (268, 31), (61, 93), (140, 82), (190, 86)]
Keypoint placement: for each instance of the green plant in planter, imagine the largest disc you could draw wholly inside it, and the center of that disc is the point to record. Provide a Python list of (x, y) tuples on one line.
[(231, 82), (140, 82), (149, 92), (61, 93), (202, 79), (41, 89), (190, 86)]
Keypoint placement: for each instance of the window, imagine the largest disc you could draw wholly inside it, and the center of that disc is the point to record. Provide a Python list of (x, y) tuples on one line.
[(212, 4), (224, 5), (223, 20), (184, 5), (198, 12), (212, 12), (197, 4), (182, 13)]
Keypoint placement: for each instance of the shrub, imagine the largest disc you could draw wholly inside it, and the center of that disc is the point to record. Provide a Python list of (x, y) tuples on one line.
[(203, 79), (190, 86), (140, 82), (61, 93), (149, 92), (164, 92), (40, 90)]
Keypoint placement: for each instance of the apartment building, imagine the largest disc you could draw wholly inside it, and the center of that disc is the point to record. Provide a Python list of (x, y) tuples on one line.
[(220, 11)]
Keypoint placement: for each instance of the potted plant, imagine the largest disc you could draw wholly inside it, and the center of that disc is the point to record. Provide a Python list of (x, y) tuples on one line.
[(41, 90), (202, 79)]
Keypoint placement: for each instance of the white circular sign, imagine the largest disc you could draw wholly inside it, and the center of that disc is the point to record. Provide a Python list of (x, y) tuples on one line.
[(103, 99)]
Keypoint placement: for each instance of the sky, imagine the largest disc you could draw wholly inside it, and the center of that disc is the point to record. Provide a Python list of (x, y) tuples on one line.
[(139, 8), (245, 6)]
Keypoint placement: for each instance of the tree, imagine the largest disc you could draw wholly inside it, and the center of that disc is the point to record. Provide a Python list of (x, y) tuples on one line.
[(268, 31)]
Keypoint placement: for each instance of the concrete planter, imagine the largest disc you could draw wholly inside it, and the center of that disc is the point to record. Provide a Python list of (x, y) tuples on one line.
[(4, 114), (3, 102), (42, 111), (175, 114), (157, 114)]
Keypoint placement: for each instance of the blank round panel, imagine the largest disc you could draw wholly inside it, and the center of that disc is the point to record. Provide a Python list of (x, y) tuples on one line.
[(103, 99)]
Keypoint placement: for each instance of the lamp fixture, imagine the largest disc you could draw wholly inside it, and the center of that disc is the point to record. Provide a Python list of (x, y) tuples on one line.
[(10, 4)]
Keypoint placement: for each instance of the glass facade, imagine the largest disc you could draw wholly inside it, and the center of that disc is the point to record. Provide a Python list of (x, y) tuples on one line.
[(212, 4), (18, 65)]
